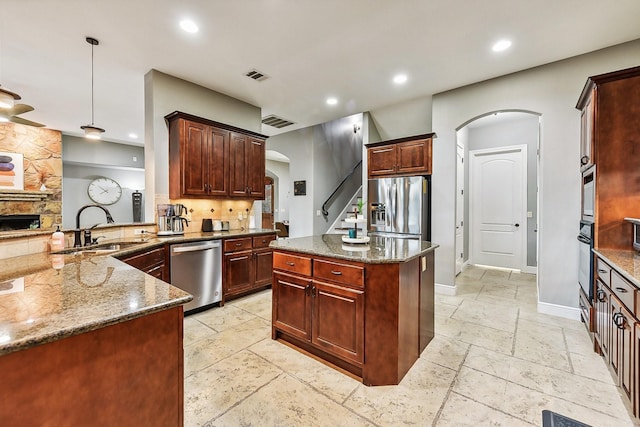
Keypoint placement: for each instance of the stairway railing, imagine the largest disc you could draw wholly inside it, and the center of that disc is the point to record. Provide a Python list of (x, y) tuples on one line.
[(331, 198)]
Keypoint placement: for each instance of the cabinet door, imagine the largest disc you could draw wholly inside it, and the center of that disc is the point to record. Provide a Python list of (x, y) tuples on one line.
[(292, 305), (218, 184), (194, 156), (238, 165), (239, 272), (263, 260), (586, 133), (636, 371), (414, 157), (338, 320), (255, 167), (622, 345), (381, 160), (603, 318)]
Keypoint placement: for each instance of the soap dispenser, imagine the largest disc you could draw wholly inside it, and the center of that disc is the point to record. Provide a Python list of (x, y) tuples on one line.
[(57, 240)]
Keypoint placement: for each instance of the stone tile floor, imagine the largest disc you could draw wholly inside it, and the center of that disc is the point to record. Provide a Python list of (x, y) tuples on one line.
[(495, 361)]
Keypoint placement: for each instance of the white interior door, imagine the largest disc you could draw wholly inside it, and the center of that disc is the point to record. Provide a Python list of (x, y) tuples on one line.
[(459, 209), (498, 206)]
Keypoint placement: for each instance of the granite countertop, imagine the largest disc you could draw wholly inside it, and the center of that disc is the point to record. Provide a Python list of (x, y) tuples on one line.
[(46, 297), (625, 262), (379, 250)]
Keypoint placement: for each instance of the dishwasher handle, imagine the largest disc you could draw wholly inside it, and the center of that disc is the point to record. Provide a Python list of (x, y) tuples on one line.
[(194, 248)]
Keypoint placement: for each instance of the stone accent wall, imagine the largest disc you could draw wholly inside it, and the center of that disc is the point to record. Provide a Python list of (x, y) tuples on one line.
[(42, 150)]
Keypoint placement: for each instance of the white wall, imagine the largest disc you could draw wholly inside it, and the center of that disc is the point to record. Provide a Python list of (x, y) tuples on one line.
[(165, 94), (551, 90)]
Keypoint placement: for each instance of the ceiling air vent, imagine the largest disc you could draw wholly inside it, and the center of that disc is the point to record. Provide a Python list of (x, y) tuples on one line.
[(256, 75), (276, 122)]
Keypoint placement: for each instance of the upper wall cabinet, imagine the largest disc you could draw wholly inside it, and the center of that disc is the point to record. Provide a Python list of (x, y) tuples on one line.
[(208, 159), (401, 157)]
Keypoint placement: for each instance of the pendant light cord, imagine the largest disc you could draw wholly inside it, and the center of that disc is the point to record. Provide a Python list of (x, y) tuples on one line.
[(91, 84)]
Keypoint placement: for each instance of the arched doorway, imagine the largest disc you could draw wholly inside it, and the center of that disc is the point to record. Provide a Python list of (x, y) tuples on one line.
[(268, 204), (498, 132)]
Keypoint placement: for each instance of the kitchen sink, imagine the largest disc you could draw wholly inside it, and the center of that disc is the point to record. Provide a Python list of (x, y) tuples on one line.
[(99, 249)]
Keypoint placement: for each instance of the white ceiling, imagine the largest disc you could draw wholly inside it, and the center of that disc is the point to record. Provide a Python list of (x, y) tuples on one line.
[(349, 49)]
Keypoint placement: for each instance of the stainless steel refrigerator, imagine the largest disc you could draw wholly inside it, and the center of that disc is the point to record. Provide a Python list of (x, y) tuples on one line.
[(400, 207)]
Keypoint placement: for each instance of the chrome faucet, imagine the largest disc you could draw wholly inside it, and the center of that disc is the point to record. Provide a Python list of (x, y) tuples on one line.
[(77, 236)]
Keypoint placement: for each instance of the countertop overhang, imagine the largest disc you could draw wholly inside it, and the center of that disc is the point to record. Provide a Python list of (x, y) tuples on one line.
[(380, 250), (48, 297)]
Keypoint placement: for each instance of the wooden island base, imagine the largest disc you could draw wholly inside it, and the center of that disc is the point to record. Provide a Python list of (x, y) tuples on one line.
[(370, 319), (130, 373)]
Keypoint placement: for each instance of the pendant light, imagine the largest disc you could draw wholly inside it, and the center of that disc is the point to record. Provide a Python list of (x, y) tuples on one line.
[(91, 131)]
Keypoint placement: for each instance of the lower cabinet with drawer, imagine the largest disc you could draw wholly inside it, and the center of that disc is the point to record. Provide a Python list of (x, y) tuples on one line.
[(364, 317), (152, 262), (247, 265), (324, 309), (617, 327)]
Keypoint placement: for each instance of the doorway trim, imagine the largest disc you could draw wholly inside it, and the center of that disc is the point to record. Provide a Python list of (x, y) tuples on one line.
[(522, 148)]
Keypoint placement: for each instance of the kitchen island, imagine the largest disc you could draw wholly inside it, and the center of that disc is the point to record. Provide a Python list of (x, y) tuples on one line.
[(88, 340), (365, 308)]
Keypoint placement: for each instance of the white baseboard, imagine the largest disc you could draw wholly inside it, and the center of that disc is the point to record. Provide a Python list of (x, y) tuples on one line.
[(559, 310), (445, 289), (530, 270)]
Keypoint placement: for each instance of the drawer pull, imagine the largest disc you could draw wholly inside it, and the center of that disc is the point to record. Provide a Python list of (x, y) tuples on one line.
[(601, 271), (622, 290), (238, 244), (337, 273), (264, 241), (291, 264)]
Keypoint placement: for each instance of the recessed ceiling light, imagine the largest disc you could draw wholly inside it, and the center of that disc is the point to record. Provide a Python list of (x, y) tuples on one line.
[(400, 79), (189, 26), (133, 135), (332, 101), (501, 45)]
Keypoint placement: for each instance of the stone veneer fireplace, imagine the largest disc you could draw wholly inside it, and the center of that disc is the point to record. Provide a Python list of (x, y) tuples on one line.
[(19, 222), (42, 151)]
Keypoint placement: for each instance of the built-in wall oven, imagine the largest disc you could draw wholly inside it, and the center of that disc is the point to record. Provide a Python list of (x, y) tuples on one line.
[(585, 272), (589, 194)]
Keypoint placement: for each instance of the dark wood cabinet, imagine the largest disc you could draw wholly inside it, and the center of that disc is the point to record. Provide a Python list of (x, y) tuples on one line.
[(603, 318), (247, 155), (338, 320), (586, 130), (622, 345), (248, 265), (617, 328), (322, 305), (152, 262), (208, 159), (292, 313), (401, 157), (610, 137)]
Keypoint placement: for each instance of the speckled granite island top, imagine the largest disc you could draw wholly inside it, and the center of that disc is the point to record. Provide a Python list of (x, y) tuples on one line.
[(379, 250), (47, 297), (626, 262)]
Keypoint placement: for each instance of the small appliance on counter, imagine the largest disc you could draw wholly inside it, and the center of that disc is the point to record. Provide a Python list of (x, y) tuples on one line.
[(170, 221), (636, 232)]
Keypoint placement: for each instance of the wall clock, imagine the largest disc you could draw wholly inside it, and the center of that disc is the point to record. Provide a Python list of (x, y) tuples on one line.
[(104, 191)]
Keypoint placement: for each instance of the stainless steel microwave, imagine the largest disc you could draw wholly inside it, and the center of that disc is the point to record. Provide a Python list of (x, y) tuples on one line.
[(589, 194)]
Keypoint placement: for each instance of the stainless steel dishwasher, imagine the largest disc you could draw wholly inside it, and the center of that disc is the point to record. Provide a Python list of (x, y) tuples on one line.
[(197, 268)]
